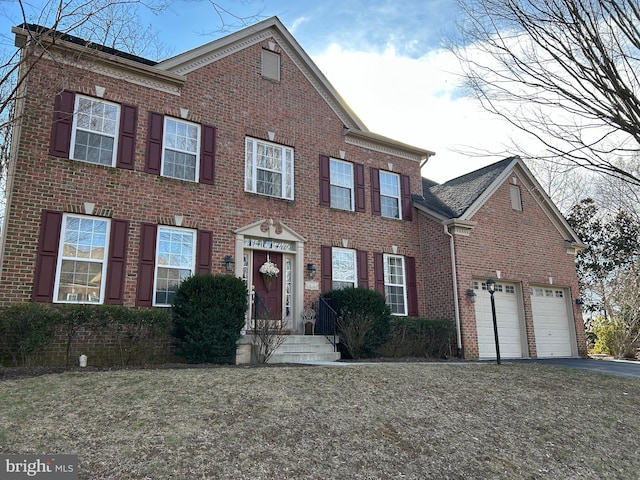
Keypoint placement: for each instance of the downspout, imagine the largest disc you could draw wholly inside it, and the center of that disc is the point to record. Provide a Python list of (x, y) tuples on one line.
[(454, 274)]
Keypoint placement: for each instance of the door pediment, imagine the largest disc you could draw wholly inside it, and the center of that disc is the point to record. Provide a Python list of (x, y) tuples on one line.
[(268, 228)]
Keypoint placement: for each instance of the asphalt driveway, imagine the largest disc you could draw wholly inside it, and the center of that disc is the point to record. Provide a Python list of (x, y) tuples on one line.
[(623, 368)]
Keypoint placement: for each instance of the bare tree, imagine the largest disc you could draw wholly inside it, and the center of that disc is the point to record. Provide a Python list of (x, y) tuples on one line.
[(563, 71), (564, 182)]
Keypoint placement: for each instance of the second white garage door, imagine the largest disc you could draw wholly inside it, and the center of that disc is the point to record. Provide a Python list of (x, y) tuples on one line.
[(508, 319), (551, 322)]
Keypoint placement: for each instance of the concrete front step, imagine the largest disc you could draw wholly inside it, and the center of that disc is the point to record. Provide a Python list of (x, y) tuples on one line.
[(305, 348)]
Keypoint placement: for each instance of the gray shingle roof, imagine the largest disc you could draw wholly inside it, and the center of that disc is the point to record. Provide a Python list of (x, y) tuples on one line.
[(451, 199)]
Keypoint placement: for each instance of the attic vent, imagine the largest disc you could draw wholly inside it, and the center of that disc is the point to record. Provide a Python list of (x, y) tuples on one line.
[(270, 65), (516, 198)]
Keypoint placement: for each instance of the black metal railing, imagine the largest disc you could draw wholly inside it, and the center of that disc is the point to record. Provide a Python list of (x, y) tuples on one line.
[(326, 321), (260, 310)]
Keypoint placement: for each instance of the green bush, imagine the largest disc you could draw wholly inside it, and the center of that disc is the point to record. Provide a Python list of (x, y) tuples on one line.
[(136, 332), (208, 315), (363, 320), (419, 337), (25, 329)]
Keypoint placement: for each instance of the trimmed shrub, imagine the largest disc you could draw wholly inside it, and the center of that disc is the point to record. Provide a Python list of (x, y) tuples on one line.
[(363, 320), (208, 315), (133, 334), (419, 337), (25, 329)]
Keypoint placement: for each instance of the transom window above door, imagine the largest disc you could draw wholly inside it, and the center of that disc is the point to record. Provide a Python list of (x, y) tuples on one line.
[(268, 169)]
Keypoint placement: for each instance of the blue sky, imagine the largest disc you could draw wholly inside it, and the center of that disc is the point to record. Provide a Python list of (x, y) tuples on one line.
[(385, 57)]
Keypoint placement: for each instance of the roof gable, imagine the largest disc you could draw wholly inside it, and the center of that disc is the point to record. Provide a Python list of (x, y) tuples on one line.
[(461, 197), (269, 29)]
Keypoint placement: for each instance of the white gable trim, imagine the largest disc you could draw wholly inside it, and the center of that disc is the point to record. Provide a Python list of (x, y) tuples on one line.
[(529, 182), (270, 28)]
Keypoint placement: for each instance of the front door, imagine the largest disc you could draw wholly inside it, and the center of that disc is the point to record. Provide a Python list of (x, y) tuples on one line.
[(271, 294)]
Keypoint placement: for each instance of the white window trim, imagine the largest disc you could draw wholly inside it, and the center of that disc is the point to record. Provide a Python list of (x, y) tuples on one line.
[(352, 252), (75, 128), (351, 187), (403, 285), (104, 261), (157, 263), (398, 197), (165, 148), (251, 168)]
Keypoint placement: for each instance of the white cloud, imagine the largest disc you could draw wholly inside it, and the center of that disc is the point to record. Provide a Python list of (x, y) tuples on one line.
[(417, 101), (296, 24)]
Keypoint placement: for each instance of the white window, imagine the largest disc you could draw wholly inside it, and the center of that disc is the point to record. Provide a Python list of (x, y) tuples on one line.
[(269, 169), (181, 150), (95, 130), (394, 284), (343, 268), (270, 65), (175, 261), (341, 178), (390, 195), (82, 261)]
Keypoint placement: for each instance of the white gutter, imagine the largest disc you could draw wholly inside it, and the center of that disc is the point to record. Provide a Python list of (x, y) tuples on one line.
[(455, 287)]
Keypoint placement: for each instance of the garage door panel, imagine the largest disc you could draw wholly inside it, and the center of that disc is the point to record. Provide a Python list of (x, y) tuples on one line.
[(551, 322), (507, 318)]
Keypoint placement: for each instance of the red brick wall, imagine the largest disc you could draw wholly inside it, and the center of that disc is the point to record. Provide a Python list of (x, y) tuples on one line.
[(526, 248), (231, 95)]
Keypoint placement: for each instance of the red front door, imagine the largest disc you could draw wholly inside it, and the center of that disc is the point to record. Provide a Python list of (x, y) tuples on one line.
[(272, 296)]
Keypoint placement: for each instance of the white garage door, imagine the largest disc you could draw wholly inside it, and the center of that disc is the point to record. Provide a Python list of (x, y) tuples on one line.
[(508, 319), (551, 322)]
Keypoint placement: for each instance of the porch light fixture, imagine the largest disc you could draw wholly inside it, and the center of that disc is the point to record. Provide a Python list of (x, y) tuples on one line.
[(229, 263), (311, 270), (471, 294), (491, 286)]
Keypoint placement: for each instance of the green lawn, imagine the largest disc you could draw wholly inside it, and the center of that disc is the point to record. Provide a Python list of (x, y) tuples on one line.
[(388, 421)]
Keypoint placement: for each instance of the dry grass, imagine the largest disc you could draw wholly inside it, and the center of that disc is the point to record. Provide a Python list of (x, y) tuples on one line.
[(386, 421)]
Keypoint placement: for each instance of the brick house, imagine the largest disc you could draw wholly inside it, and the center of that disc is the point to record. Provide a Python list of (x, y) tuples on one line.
[(128, 175), (498, 222)]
